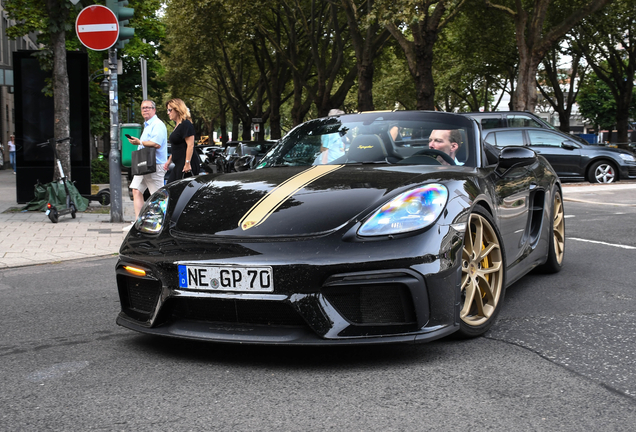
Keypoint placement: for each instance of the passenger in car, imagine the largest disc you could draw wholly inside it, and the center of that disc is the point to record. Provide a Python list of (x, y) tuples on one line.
[(394, 131), (332, 147), (447, 141)]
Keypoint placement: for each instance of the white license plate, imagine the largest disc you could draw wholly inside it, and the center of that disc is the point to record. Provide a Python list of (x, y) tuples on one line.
[(226, 278)]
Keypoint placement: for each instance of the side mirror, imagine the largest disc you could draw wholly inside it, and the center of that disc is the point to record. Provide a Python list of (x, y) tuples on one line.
[(512, 157), (569, 145)]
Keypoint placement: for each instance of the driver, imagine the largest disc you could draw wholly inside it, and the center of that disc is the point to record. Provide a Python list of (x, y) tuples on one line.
[(447, 141)]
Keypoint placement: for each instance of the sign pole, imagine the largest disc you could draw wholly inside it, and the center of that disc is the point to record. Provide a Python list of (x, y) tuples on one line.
[(97, 27), (114, 157)]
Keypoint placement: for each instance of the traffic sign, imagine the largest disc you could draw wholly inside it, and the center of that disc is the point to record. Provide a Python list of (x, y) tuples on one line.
[(97, 27)]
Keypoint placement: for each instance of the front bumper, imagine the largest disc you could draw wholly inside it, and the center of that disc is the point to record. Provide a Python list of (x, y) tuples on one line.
[(327, 292), (628, 172)]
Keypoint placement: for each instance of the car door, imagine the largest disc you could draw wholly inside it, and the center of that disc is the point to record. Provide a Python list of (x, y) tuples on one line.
[(514, 190), (566, 160)]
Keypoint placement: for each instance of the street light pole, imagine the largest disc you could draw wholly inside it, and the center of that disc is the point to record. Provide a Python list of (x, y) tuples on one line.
[(114, 157)]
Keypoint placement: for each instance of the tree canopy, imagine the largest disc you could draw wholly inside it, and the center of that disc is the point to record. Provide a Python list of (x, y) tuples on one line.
[(285, 61)]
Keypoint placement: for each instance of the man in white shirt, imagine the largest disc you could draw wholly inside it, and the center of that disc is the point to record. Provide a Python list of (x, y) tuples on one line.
[(154, 135)]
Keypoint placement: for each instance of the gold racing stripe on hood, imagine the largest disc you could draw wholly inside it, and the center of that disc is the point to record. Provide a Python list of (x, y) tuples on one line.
[(270, 202)]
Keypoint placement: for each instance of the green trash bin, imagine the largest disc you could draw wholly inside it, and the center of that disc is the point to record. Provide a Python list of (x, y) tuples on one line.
[(132, 129)]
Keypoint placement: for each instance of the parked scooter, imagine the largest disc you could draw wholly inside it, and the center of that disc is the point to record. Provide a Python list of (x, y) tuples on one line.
[(51, 211)]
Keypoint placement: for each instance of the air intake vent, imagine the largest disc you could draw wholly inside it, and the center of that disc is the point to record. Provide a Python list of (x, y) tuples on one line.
[(234, 311), (138, 297), (373, 304)]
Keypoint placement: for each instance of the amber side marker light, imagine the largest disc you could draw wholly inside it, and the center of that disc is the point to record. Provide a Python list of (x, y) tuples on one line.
[(134, 270)]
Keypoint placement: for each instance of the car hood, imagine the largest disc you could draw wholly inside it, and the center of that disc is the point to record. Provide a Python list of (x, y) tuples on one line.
[(291, 201)]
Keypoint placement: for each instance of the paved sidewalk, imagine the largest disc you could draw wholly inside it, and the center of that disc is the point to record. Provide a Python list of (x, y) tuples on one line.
[(28, 238)]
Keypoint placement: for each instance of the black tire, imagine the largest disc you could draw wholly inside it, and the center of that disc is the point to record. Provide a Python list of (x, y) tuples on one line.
[(103, 197), (483, 284), (556, 246), (54, 216), (602, 172), (73, 211)]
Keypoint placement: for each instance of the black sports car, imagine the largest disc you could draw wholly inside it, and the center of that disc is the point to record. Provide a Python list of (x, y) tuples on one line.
[(350, 230)]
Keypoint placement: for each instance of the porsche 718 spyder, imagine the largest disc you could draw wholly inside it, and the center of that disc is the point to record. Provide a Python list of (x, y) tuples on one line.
[(360, 228)]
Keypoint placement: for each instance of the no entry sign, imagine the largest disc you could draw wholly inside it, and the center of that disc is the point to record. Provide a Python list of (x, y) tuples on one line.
[(97, 27)]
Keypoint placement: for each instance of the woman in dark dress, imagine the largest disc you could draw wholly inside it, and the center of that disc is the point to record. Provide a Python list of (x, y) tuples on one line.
[(186, 161)]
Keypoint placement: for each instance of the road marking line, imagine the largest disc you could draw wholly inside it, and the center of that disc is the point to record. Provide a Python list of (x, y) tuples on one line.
[(602, 243), (600, 203)]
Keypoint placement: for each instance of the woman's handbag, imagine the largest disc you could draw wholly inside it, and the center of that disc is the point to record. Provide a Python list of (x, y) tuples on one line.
[(143, 161)]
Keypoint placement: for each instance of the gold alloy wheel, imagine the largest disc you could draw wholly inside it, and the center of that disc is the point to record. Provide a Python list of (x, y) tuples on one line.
[(558, 229), (482, 272)]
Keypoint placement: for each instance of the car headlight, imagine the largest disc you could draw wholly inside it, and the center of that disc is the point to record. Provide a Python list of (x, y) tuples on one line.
[(410, 211), (152, 215), (627, 157)]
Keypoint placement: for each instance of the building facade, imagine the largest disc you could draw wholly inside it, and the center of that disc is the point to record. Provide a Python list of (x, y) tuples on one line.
[(7, 48)]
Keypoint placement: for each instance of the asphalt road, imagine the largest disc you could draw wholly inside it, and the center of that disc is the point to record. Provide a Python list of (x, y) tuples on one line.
[(561, 357)]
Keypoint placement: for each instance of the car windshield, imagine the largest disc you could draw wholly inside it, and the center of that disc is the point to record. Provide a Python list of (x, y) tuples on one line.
[(412, 138), (255, 148)]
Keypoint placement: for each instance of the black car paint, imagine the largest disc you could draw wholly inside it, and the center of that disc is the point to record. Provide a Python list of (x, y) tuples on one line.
[(313, 262), (331, 259)]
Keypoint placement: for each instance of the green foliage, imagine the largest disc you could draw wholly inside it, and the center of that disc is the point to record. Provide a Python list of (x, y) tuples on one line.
[(393, 87), (100, 171), (607, 41), (473, 59), (597, 104), (147, 43), (30, 15)]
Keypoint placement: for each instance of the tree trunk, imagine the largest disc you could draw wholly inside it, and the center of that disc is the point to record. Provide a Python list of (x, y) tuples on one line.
[(419, 50), (526, 99), (365, 87), (61, 98), (223, 120), (534, 40), (247, 128), (235, 125), (423, 75), (622, 116), (564, 121), (274, 117), (366, 48)]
